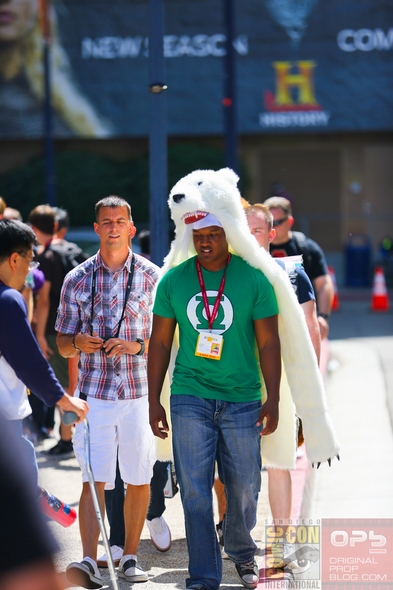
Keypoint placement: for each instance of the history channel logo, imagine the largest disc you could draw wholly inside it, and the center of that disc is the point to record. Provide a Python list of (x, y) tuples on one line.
[(293, 104)]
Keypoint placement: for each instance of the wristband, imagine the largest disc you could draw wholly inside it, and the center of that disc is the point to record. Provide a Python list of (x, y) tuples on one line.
[(142, 343), (325, 316), (74, 345)]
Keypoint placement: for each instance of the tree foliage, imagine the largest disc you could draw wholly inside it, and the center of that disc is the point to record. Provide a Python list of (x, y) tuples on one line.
[(83, 178)]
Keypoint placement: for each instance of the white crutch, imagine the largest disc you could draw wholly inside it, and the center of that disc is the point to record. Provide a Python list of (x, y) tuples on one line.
[(69, 418)]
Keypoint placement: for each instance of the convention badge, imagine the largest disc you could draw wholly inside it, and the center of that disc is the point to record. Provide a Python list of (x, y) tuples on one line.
[(292, 263), (209, 345)]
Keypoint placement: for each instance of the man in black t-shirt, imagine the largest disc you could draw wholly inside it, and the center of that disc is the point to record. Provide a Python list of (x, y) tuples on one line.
[(291, 243), (43, 223)]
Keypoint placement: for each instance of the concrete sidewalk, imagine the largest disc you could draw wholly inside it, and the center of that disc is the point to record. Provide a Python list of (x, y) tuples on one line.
[(359, 392), (359, 389), (361, 484), (165, 570)]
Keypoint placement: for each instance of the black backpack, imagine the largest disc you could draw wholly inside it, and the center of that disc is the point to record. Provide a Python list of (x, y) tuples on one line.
[(70, 254)]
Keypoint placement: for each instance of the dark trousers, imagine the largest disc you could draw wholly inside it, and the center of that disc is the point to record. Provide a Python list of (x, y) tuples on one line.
[(43, 416), (114, 500)]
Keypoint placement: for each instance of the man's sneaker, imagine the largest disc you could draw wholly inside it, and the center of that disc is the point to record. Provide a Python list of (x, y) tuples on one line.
[(248, 573), (84, 574), (63, 450), (221, 539), (117, 554), (159, 533), (130, 570)]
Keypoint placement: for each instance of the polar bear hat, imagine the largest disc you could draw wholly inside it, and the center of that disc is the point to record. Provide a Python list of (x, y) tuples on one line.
[(209, 191)]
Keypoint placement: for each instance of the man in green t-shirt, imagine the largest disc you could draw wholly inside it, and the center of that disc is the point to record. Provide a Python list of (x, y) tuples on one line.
[(226, 310)]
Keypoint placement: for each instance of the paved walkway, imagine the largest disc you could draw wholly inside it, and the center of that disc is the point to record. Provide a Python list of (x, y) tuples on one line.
[(361, 484), (166, 570), (359, 393)]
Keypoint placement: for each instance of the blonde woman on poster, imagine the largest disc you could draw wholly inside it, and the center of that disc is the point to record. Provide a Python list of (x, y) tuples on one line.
[(22, 79)]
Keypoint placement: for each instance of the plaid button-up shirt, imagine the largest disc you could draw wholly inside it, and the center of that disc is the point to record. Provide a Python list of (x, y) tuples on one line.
[(106, 378)]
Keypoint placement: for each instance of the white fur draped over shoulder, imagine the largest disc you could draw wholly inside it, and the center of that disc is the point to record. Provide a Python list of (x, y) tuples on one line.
[(216, 192)]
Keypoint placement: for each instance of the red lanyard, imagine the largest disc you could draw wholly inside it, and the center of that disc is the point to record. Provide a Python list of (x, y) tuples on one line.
[(211, 317)]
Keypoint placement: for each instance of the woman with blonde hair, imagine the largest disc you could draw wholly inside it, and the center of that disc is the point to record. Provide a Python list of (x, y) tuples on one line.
[(22, 79)]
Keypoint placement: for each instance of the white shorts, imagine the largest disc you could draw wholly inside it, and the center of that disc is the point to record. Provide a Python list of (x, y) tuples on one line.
[(117, 427)]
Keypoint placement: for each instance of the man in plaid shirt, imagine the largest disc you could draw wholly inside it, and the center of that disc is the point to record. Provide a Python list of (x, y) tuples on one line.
[(104, 316)]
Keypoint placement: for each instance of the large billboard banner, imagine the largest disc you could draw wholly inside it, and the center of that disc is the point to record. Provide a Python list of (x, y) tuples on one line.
[(302, 66)]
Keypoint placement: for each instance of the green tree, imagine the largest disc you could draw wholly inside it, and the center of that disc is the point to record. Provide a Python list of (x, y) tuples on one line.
[(83, 178)]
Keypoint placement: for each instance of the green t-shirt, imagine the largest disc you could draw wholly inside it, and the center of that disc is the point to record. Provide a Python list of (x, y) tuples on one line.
[(247, 296)]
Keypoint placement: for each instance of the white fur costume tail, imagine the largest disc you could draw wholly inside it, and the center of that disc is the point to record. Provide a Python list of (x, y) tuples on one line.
[(216, 192)]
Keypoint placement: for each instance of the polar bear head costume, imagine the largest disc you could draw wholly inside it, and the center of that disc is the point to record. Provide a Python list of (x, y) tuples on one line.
[(206, 192), (216, 192)]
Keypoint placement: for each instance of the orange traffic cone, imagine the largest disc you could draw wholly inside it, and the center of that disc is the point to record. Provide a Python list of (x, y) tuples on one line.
[(379, 298), (336, 303)]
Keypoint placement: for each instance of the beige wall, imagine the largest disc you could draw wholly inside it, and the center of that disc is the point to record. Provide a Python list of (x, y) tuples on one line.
[(378, 165), (340, 185)]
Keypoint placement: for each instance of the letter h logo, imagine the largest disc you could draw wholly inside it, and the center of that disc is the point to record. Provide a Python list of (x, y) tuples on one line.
[(294, 87)]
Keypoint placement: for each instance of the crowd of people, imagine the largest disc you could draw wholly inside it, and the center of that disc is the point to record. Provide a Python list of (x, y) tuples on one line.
[(108, 329)]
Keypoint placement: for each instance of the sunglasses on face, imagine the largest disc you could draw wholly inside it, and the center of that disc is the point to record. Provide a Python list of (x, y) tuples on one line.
[(278, 222)]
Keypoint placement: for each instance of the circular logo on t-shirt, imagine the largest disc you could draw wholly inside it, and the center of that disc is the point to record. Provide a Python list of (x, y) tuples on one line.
[(196, 313)]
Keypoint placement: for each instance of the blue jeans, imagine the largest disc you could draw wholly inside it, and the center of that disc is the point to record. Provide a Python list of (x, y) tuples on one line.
[(204, 431)]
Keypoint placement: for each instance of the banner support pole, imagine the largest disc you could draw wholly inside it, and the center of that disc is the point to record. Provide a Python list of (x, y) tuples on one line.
[(230, 98), (50, 177), (158, 158)]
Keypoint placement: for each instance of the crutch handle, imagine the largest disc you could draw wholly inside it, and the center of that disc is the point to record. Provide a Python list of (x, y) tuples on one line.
[(69, 418)]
